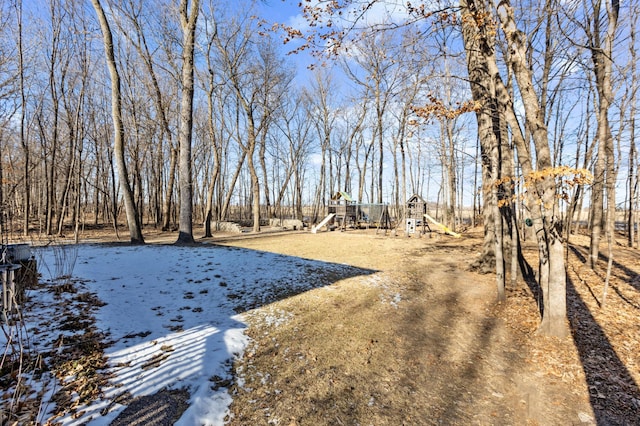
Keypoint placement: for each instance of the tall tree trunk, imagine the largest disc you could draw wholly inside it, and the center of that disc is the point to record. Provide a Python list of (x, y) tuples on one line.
[(299, 179), (380, 116), (168, 199), (78, 200), (135, 230), (632, 181), (604, 173), (114, 209), (633, 187), (23, 138), (208, 215), (478, 52), (448, 150), (597, 196), (52, 155), (550, 244), (255, 187), (263, 168), (497, 200), (224, 211), (451, 175), (188, 20), (165, 131), (213, 180)]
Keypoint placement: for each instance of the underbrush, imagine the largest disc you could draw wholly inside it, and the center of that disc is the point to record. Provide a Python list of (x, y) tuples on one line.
[(51, 351)]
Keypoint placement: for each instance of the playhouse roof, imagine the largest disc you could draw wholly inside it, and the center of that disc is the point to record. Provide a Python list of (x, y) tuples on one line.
[(415, 198), (342, 194)]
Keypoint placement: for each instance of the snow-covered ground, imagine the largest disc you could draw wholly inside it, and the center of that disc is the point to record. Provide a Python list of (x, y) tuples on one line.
[(174, 315)]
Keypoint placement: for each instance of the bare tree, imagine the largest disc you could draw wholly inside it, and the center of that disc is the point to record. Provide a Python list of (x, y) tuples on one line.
[(23, 113), (323, 117), (138, 38), (7, 88), (258, 81), (296, 127), (600, 42), (133, 220), (403, 115), (73, 98), (233, 57), (376, 68), (632, 178), (188, 19), (480, 48), (550, 243), (51, 141), (211, 87)]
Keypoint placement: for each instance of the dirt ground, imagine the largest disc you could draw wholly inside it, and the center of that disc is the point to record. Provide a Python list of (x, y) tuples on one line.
[(422, 341)]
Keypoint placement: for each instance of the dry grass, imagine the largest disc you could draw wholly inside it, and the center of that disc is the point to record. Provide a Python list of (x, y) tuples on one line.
[(422, 342)]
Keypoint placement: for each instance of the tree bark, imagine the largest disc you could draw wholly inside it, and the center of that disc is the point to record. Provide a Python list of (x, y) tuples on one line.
[(255, 186), (135, 230), (188, 20), (633, 153), (165, 131), (23, 139), (552, 277), (478, 51), (213, 179), (604, 171), (168, 199)]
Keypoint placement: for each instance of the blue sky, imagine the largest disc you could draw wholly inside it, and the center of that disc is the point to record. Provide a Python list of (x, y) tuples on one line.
[(279, 10)]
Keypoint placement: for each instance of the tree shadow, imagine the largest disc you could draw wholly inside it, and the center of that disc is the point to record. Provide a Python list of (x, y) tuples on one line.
[(577, 253), (449, 348), (527, 273), (171, 312), (529, 277), (620, 271), (613, 393)]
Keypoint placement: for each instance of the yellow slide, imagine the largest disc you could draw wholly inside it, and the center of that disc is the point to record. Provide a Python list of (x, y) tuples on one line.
[(444, 228)]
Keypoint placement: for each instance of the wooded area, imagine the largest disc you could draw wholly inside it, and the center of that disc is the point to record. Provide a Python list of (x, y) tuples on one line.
[(167, 113)]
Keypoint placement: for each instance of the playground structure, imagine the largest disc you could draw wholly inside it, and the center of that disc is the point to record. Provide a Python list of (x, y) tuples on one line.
[(445, 229), (323, 223), (416, 209), (417, 216), (344, 211)]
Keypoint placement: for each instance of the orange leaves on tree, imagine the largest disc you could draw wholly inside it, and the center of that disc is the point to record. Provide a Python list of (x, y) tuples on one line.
[(439, 110), (481, 20), (420, 10), (566, 178), (319, 16)]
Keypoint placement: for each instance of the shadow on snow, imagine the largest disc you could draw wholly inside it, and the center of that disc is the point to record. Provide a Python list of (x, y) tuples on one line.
[(171, 314)]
